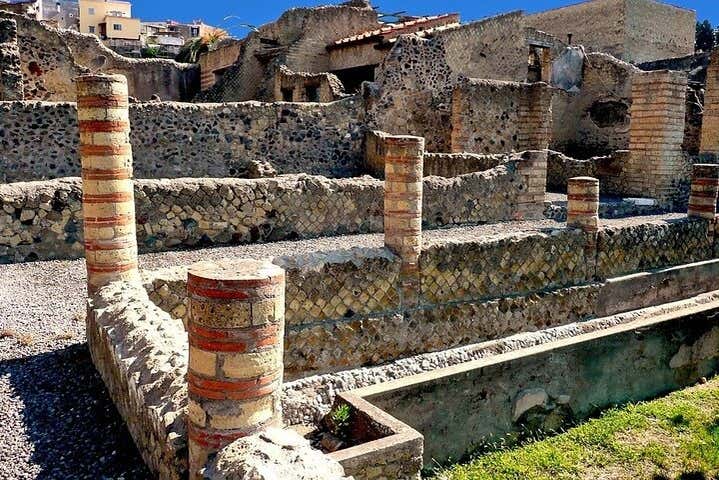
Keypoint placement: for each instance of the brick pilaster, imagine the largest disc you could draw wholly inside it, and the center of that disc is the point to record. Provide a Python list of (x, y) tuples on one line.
[(533, 169), (535, 117), (404, 165), (704, 191), (108, 196), (583, 203), (236, 332), (710, 118), (656, 134)]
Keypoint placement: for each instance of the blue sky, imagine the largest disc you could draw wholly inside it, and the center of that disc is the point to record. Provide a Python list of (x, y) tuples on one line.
[(257, 12)]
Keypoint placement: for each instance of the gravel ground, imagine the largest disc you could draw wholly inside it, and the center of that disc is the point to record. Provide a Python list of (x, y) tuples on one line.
[(56, 420)]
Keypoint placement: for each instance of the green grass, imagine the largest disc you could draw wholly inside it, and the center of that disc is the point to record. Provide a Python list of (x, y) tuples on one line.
[(675, 437)]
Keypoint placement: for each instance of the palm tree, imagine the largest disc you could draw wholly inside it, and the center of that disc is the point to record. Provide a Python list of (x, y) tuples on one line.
[(192, 49)]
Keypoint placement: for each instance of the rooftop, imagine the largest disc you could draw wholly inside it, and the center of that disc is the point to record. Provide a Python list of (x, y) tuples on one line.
[(393, 30)]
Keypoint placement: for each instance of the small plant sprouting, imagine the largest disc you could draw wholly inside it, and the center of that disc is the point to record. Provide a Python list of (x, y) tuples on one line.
[(340, 416)]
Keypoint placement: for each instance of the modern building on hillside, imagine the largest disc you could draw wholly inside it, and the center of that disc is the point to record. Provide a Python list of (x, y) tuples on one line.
[(169, 36), (112, 22), (60, 13)]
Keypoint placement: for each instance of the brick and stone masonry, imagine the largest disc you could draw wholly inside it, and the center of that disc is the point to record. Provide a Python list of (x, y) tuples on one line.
[(710, 117), (656, 134), (236, 330), (583, 203), (404, 163), (704, 191), (108, 195), (11, 87)]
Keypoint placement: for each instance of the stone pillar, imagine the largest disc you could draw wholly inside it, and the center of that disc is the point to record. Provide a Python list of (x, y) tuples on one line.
[(404, 165), (236, 332), (533, 170), (11, 86), (108, 201), (656, 134), (710, 119), (583, 203), (705, 188)]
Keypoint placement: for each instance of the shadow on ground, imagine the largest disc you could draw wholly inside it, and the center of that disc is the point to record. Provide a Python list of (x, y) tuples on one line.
[(72, 424)]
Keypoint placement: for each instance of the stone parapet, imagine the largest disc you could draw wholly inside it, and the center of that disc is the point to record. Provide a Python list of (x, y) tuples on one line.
[(107, 189), (236, 331)]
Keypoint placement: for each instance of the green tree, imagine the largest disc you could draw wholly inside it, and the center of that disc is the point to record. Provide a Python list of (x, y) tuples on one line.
[(705, 36), (191, 51)]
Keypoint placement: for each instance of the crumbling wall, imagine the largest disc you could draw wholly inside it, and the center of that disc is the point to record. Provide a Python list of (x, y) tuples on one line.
[(11, 87), (413, 91), (595, 119), (298, 39), (51, 58), (493, 117), (301, 86), (171, 140), (43, 220)]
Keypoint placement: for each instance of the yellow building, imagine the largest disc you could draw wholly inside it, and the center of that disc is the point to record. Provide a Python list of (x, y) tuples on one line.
[(109, 20)]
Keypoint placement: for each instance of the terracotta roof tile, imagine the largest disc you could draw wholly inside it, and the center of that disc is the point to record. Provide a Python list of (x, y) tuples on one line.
[(394, 30)]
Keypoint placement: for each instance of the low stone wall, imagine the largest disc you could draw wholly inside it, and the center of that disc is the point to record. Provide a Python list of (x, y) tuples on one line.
[(548, 388), (343, 307), (43, 220), (39, 140)]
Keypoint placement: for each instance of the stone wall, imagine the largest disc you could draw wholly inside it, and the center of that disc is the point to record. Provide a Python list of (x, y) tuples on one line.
[(595, 119), (214, 62), (171, 140), (51, 58), (412, 93), (343, 307), (493, 117), (11, 87), (298, 39), (43, 220), (301, 86), (626, 29)]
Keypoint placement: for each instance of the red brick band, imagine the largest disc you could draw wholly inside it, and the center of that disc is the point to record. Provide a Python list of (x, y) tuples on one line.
[(215, 439), (117, 197), (116, 221), (230, 292), (106, 245), (105, 150), (108, 174), (116, 268), (235, 340), (103, 101), (702, 208), (232, 389), (582, 197), (710, 182), (103, 126)]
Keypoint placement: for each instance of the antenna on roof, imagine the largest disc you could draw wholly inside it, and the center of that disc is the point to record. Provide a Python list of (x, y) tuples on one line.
[(397, 16)]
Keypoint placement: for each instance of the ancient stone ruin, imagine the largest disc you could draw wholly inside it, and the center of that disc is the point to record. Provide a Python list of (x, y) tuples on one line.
[(446, 230)]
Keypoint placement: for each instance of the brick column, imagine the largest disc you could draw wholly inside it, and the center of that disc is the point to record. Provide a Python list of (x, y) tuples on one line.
[(108, 198), (710, 119), (583, 203), (535, 117), (530, 201), (236, 332), (404, 165), (705, 188), (656, 134)]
